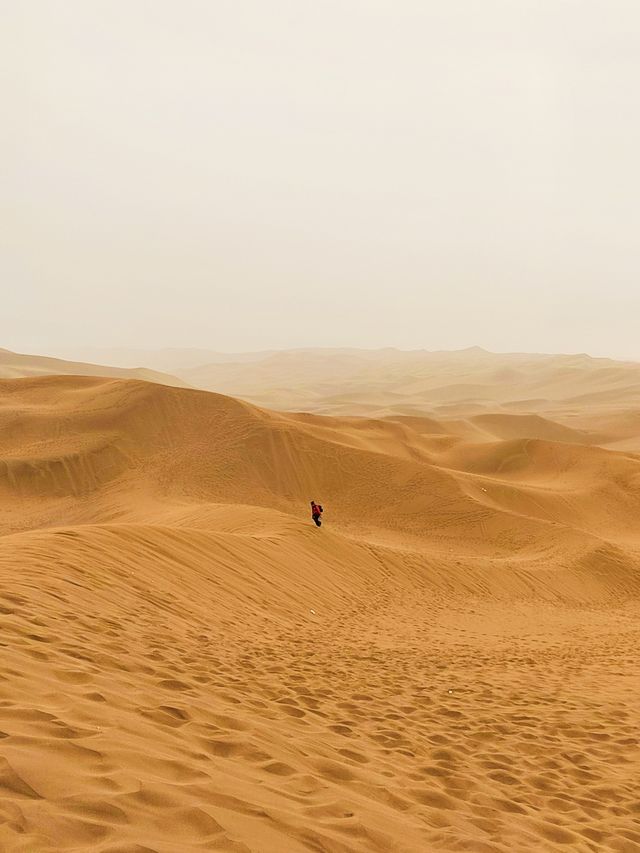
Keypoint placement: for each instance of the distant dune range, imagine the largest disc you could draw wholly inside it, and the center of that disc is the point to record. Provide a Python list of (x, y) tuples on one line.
[(576, 390), (450, 663), (14, 365)]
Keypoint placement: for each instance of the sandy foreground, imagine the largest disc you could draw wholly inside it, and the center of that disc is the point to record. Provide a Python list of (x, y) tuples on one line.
[(450, 663)]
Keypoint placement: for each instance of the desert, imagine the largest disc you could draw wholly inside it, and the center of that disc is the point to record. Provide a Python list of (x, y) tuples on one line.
[(319, 426), (449, 663)]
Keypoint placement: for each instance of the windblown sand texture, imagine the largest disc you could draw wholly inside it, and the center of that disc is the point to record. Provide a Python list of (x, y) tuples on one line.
[(188, 664)]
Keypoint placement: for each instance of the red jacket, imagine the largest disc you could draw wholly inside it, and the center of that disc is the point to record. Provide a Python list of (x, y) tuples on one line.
[(316, 509)]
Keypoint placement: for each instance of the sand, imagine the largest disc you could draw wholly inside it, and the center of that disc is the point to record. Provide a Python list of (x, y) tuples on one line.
[(389, 382), (450, 663), (14, 365)]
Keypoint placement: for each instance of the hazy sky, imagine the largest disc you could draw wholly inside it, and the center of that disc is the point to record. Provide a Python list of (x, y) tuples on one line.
[(248, 174)]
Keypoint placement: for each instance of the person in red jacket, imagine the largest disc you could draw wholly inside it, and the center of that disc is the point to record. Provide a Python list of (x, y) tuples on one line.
[(316, 513)]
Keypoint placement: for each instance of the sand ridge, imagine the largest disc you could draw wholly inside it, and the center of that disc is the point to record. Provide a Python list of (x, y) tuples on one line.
[(188, 664), (14, 365)]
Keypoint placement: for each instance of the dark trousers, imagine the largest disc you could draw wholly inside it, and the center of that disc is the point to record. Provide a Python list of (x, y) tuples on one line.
[(317, 520)]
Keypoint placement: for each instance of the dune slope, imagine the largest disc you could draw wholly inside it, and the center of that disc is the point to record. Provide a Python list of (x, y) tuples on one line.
[(450, 663)]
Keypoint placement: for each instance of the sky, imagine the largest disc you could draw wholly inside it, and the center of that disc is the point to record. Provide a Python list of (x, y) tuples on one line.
[(242, 175)]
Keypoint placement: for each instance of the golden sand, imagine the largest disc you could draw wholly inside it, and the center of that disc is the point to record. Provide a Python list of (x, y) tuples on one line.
[(188, 664)]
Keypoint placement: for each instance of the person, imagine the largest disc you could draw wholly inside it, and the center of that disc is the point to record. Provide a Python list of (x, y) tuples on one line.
[(316, 513)]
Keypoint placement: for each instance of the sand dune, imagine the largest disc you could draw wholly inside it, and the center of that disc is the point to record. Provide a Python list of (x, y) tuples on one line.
[(15, 365), (450, 663), (387, 382), (532, 426)]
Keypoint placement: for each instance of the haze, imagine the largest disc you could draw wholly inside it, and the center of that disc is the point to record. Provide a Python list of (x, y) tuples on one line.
[(246, 175)]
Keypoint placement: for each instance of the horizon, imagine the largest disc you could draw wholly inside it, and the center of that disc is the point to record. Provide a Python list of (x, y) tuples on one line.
[(79, 353)]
